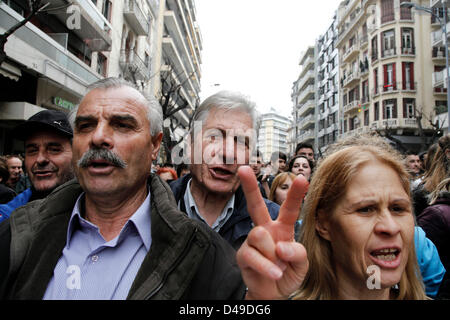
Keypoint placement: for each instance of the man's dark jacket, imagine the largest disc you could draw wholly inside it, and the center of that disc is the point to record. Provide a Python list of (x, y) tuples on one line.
[(236, 229), (186, 260)]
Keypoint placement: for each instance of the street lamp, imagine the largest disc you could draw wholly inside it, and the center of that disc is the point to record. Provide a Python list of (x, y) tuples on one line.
[(444, 30)]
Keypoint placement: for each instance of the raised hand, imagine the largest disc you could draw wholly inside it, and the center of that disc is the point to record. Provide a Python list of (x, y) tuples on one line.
[(273, 265)]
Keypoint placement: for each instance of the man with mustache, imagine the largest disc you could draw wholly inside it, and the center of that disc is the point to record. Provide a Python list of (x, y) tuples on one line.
[(222, 137), (48, 156)]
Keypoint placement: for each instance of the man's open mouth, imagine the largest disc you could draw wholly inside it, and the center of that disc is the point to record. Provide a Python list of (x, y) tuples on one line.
[(221, 172)]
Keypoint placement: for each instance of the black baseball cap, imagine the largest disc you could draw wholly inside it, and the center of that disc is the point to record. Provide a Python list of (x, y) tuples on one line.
[(44, 120)]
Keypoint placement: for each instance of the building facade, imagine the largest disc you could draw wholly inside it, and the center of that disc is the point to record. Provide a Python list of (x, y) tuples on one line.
[(386, 71), (303, 98), (51, 60), (273, 134)]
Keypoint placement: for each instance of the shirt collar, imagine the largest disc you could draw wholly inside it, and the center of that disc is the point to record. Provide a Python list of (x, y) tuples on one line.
[(193, 212), (141, 219)]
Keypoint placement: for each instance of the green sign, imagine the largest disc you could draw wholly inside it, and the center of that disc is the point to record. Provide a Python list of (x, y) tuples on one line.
[(60, 102)]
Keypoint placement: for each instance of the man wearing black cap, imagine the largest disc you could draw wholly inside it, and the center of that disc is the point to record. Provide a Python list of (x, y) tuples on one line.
[(48, 155)]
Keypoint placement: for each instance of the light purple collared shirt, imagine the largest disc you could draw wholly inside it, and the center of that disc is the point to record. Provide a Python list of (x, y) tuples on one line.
[(91, 268)]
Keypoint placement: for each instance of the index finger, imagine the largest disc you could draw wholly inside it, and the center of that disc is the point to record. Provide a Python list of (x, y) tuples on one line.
[(290, 208), (255, 204)]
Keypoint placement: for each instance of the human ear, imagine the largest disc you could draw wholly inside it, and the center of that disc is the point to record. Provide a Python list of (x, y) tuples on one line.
[(322, 225), (156, 141)]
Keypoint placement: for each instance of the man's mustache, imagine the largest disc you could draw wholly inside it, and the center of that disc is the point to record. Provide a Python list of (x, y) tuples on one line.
[(101, 154)]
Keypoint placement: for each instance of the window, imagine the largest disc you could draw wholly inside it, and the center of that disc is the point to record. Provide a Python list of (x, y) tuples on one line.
[(388, 42), (387, 11), (365, 91), (375, 81), (106, 10), (374, 48), (376, 111), (366, 117), (407, 41), (405, 12), (408, 75), (389, 77), (390, 109), (409, 108), (101, 64)]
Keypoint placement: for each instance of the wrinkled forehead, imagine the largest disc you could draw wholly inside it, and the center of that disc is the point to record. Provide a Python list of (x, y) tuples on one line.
[(116, 97)]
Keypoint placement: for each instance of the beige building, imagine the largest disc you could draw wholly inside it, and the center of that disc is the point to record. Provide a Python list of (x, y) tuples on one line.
[(386, 70)]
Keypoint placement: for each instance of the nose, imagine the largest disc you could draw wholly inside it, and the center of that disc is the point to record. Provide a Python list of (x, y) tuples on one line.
[(387, 224), (102, 136), (42, 157)]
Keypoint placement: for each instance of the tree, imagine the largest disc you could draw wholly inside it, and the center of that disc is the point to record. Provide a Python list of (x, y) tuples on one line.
[(35, 7), (172, 101)]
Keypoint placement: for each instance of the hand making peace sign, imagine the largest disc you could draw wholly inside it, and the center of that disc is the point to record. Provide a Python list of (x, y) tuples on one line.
[(273, 265)]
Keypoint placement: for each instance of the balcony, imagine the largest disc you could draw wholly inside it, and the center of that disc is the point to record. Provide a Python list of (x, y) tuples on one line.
[(408, 123), (438, 54), (94, 28), (136, 18), (306, 136), (438, 79), (307, 121), (131, 63), (306, 94), (44, 55), (351, 106), (351, 79), (388, 53), (411, 52), (306, 107), (351, 52), (437, 4)]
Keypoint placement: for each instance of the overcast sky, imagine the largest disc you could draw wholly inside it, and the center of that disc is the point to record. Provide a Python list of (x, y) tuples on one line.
[(254, 46)]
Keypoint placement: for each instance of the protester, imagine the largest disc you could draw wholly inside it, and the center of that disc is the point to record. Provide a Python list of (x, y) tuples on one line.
[(256, 163), (14, 163), (167, 174), (358, 220), (301, 165), (280, 186), (222, 138), (357, 215), (116, 233), (419, 193), (182, 170), (305, 149), (48, 156), (431, 267), (435, 220), (413, 165), (6, 193)]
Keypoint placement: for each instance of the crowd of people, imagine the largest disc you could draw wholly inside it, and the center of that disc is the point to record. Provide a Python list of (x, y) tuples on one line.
[(88, 214)]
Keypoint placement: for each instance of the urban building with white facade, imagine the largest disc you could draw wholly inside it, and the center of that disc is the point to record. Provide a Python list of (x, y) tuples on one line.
[(70, 44), (328, 117), (303, 98), (273, 134)]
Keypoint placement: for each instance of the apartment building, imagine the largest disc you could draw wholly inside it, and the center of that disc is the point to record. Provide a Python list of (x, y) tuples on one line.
[(70, 44), (327, 78), (273, 134), (49, 61), (386, 70), (303, 98), (181, 54), (440, 81)]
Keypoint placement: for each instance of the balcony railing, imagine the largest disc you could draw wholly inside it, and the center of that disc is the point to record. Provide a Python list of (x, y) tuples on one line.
[(133, 64), (387, 53), (136, 18)]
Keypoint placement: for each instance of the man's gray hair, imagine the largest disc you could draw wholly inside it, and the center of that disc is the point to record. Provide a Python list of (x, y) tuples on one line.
[(154, 110), (225, 100)]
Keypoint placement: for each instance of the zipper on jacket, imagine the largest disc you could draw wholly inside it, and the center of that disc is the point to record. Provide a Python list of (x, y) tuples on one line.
[(174, 265)]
